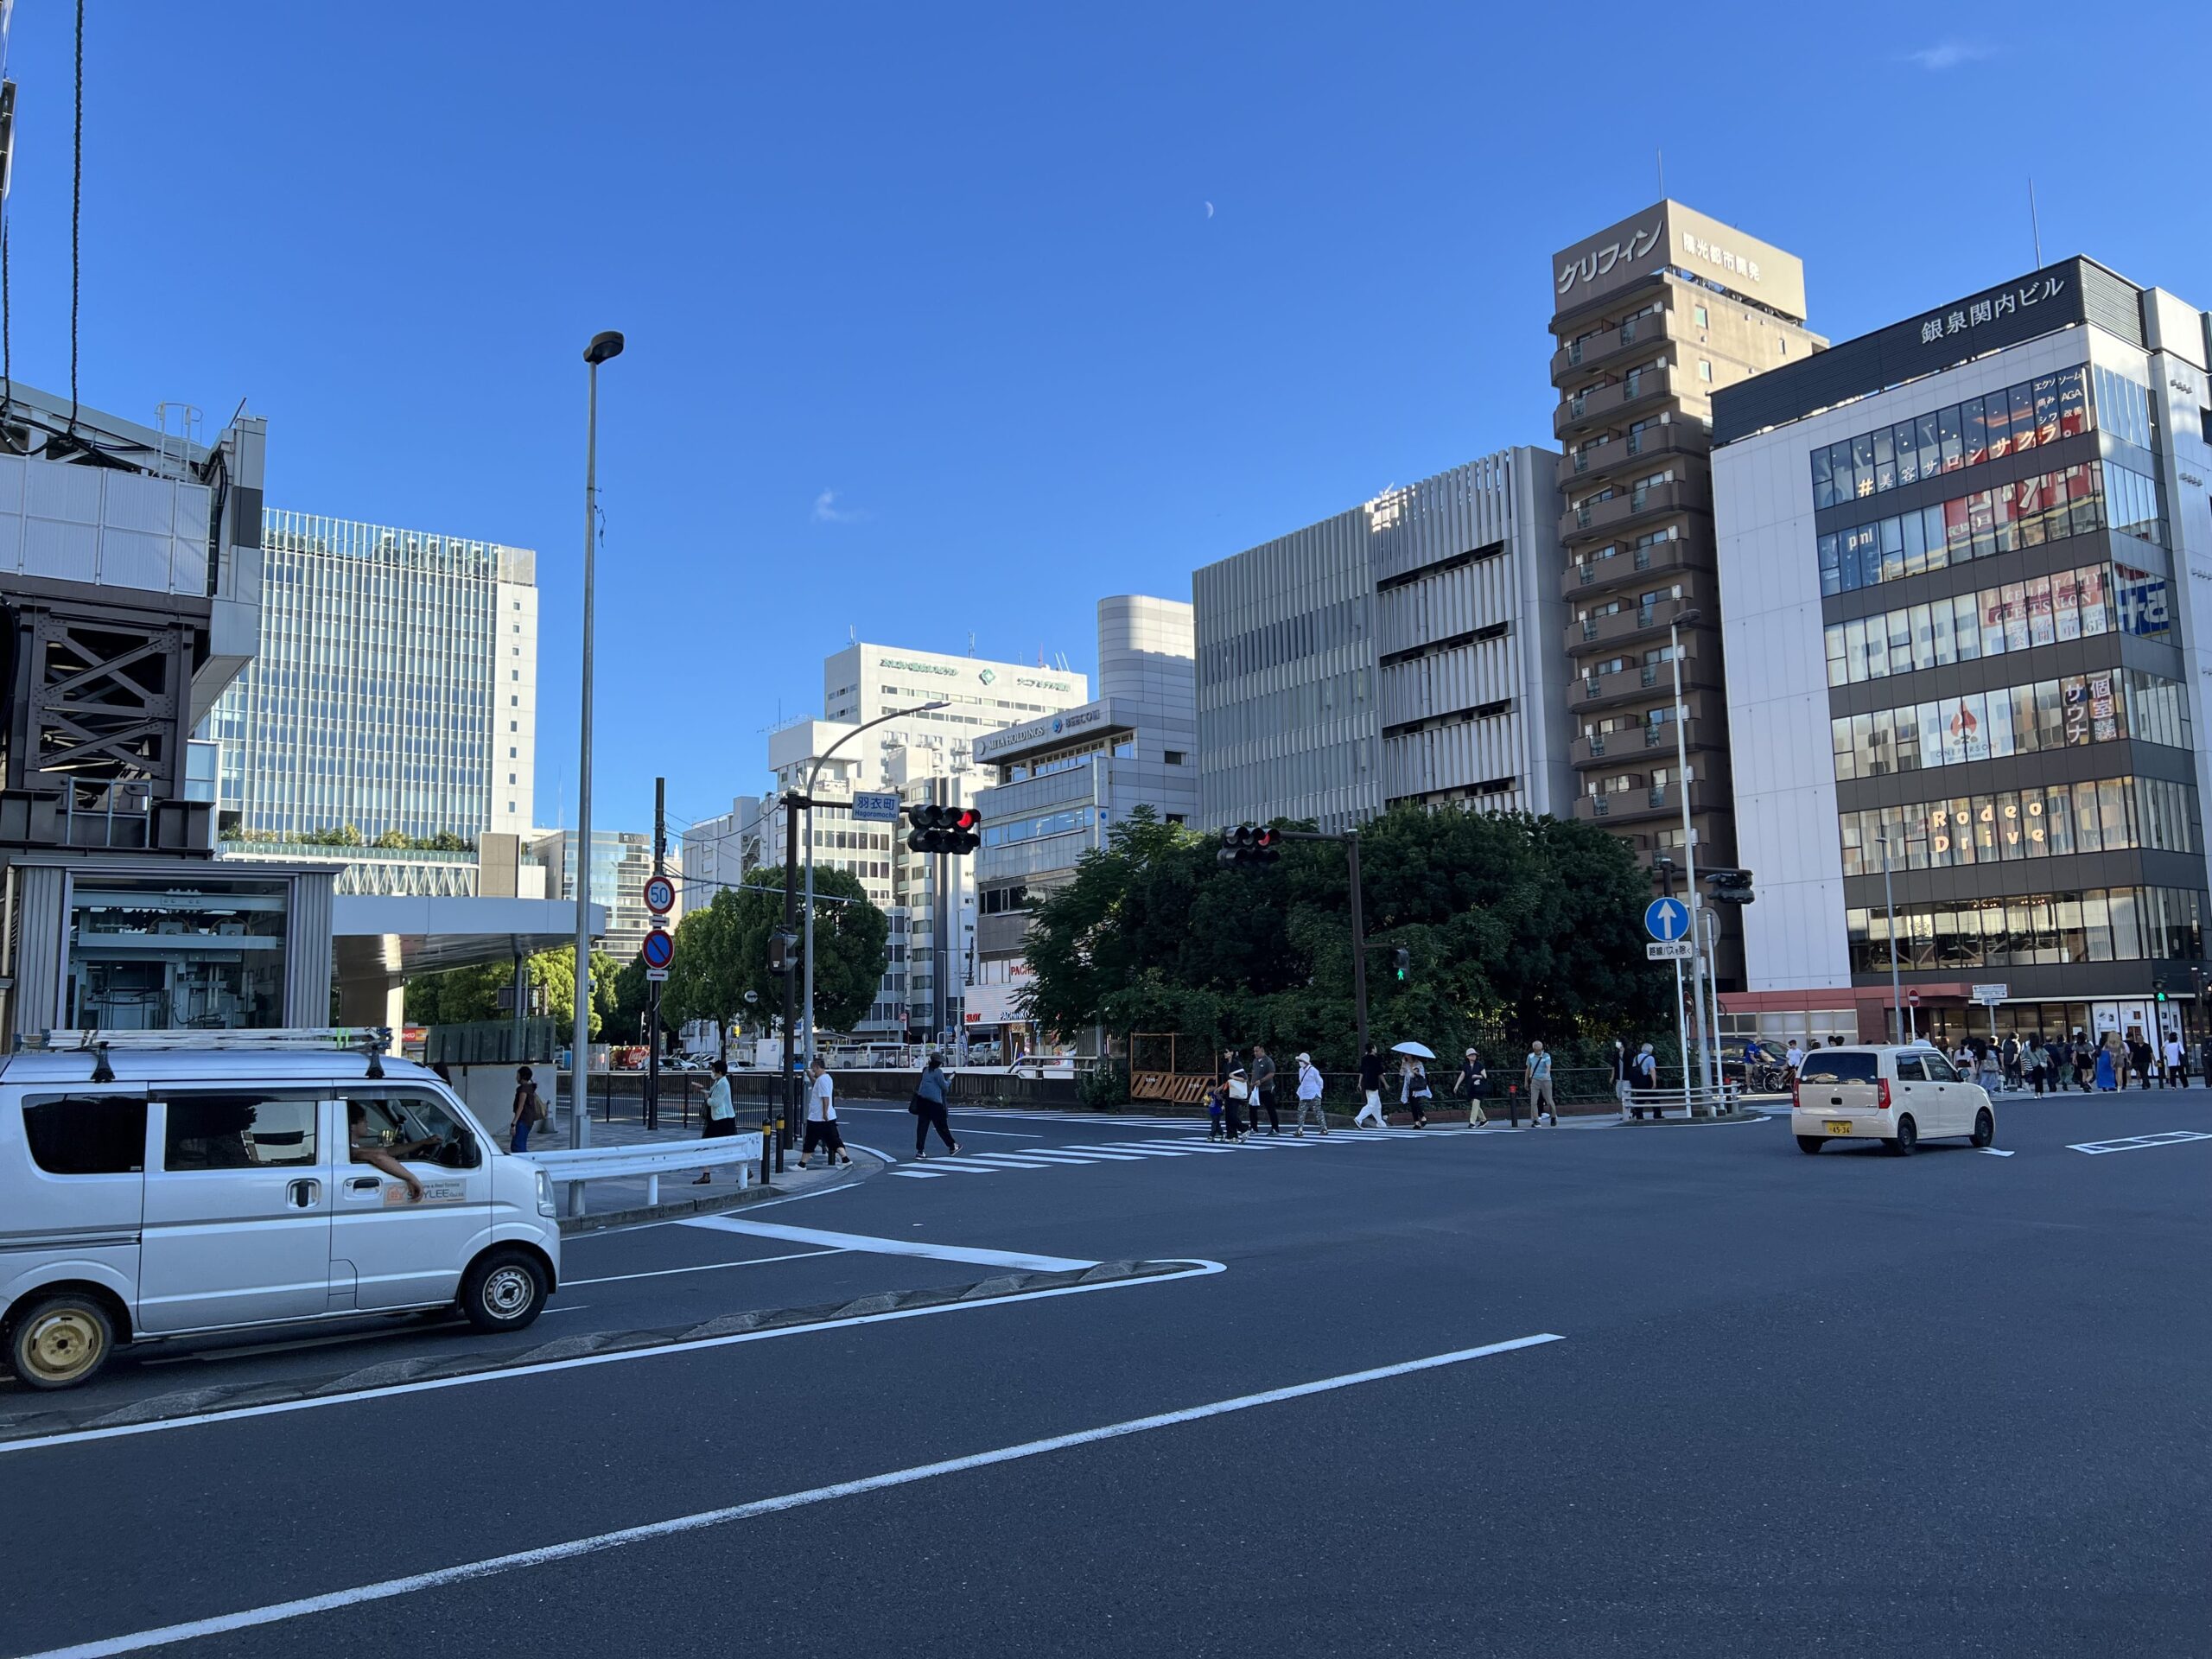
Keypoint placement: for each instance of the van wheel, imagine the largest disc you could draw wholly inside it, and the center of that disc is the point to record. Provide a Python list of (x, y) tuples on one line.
[(1908, 1135), (1810, 1143), (60, 1341), (504, 1291), (1985, 1127)]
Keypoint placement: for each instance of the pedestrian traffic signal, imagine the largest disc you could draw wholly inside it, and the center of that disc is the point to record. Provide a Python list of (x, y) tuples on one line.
[(943, 829), (1403, 961), (1730, 887), (783, 952), (1250, 843)]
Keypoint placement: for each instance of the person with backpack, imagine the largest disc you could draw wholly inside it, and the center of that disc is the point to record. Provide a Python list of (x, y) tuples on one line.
[(1469, 1086), (720, 1116), (928, 1106), (529, 1110), (1643, 1070), (1309, 1095)]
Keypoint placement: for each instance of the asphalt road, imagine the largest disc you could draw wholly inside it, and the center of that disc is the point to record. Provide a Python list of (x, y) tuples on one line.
[(1849, 1404)]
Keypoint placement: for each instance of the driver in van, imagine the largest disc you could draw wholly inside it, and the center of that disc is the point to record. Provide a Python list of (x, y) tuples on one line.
[(368, 1149)]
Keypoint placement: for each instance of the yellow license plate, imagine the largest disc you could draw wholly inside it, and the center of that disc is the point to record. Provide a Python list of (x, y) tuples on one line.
[(1838, 1126)]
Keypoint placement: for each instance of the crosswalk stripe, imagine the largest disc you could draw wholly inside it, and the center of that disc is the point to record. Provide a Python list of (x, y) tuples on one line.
[(1130, 1150), (969, 1166), (920, 1174), (1008, 1160)]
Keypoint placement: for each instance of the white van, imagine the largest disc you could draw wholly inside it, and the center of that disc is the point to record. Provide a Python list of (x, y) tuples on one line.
[(160, 1185), (1899, 1097)]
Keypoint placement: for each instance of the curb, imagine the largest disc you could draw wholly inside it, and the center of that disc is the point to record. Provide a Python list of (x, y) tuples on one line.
[(193, 1402)]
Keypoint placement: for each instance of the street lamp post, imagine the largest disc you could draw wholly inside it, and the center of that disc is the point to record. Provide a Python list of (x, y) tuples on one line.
[(602, 348), (820, 761), (1890, 903), (1706, 1035)]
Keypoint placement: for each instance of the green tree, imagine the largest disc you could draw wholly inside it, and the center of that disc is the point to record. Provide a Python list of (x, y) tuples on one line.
[(721, 951), (394, 838), (633, 994), (1517, 926), (461, 994)]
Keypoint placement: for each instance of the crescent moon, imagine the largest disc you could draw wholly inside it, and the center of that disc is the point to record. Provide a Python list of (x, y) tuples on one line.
[(1209, 210)]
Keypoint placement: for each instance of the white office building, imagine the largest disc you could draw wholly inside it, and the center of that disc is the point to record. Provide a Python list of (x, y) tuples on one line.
[(718, 851), (1405, 649), (1058, 783), (1967, 567), (394, 689), (921, 757)]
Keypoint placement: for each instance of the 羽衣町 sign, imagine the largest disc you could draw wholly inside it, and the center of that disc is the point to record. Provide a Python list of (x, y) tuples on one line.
[(875, 806)]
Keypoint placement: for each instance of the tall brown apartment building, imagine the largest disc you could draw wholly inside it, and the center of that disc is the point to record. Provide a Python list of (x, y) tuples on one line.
[(1653, 316)]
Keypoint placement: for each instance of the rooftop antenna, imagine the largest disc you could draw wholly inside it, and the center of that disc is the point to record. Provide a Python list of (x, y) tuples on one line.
[(2034, 223), (972, 642), (1661, 154)]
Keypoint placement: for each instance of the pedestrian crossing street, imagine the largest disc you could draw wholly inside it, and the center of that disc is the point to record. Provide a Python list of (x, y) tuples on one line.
[(945, 1166)]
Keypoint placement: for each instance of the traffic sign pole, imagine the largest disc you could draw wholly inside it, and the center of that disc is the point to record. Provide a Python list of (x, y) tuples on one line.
[(655, 888)]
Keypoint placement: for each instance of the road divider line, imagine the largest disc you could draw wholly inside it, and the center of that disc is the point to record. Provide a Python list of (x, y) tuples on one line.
[(1191, 1268), (2138, 1143), (700, 1520), (872, 1246), (704, 1266)]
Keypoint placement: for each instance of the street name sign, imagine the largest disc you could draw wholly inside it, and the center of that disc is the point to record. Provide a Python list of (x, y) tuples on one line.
[(1668, 950), (1667, 919), (876, 805)]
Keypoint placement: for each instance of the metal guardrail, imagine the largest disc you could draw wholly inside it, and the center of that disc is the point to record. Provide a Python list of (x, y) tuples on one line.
[(574, 1167)]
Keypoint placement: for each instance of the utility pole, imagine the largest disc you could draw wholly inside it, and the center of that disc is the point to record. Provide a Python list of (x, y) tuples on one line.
[(652, 985), (790, 1050)]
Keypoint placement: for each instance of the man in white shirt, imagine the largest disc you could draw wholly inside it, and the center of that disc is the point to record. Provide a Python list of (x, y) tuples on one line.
[(1795, 1055), (2177, 1065), (822, 1118)]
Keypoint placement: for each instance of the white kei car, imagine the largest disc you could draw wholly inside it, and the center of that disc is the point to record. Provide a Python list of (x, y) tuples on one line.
[(1899, 1097)]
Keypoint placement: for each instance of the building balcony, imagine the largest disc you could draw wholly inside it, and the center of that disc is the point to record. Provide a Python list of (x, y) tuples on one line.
[(1646, 804), (1637, 624), (1634, 510), (1596, 462), (1621, 400), (1592, 693), (1581, 355), (1594, 577), (1652, 744)]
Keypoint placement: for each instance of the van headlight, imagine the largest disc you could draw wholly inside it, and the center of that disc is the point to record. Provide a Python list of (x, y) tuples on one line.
[(545, 1194)]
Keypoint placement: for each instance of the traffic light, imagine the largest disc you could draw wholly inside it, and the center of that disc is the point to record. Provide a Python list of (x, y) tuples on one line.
[(1730, 886), (943, 829), (1250, 843), (1403, 962), (783, 952)]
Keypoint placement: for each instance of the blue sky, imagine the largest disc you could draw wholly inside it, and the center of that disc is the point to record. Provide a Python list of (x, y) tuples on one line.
[(930, 330)]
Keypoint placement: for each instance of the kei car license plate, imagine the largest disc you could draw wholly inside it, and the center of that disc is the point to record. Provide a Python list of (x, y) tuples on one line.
[(1838, 1126)]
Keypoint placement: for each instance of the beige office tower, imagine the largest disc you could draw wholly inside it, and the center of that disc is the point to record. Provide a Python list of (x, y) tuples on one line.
[(1651, 317)]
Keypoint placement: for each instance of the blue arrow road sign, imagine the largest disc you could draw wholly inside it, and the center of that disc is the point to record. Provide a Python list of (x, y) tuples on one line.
[(1666, 919)]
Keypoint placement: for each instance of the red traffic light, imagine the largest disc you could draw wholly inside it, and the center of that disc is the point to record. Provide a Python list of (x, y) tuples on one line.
[(965, 818)]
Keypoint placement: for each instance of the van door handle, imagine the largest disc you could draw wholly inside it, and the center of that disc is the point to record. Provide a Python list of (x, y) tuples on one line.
[(303, 1194), (363, 1184)]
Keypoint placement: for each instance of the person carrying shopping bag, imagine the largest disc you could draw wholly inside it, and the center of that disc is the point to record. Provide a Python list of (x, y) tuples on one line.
[(1309, 1095)]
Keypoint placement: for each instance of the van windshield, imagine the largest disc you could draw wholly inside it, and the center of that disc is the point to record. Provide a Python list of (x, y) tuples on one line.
[(1840, 1065)]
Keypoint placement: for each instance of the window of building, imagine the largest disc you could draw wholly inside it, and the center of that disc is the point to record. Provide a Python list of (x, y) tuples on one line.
[(1704, 369), (1697, 312), (1173, 757)]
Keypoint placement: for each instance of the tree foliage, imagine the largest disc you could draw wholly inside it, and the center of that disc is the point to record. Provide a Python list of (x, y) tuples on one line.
[(461, 994), (1519, 927), (722, 952)]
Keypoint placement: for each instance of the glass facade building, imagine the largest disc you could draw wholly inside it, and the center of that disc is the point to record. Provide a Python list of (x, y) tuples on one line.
[(1962, 632), (394, 690)]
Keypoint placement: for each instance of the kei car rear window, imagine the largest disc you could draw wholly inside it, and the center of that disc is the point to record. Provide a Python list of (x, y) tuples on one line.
[(1840, 1068)]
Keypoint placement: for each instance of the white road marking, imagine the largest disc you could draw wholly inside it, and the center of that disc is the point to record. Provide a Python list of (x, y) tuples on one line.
[(1193, 1268), (699, 1520), (921, 1175), (1039, 1154), (2138, 1143), (704, 1266), (1128, 1151), (968, 1164), (1023, 1159), (1993, 1152), (891, 1246)]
